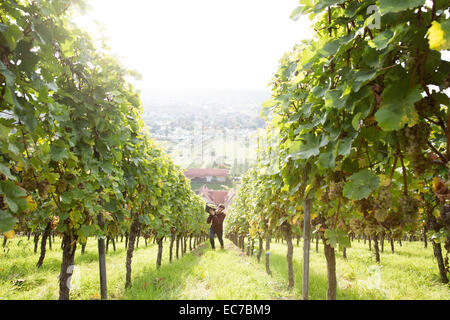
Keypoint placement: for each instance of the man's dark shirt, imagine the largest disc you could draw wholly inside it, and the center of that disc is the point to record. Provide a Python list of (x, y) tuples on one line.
[(217, 221)]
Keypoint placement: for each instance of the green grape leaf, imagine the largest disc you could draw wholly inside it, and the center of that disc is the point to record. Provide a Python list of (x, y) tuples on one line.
[(14, 196), (343, 146), (326, 160), (9, 76), (28, 58), (360, 185), (58, 151), (12, 36), (4, 131), (7, 172), (397, 106), (320, 5), (337, 238), (309, 147), (86, 230), (7, 221), (362, 77), (382, 40), (329, 48), (333, 99), (387, 6), (297, 13), (356, 120), (44, 33), (144, 219)]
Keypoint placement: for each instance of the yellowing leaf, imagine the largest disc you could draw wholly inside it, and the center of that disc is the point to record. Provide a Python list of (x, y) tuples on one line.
[(384, 181), (308, 188), (9, 234), (362, 162), (20, 166), (437, 37), (295, 218), (55, 221), (31, 204), (439, 185), (369, 121)]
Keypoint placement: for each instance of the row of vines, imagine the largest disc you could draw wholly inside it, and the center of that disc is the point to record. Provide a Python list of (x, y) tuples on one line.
[(358, 134), (74, 157)]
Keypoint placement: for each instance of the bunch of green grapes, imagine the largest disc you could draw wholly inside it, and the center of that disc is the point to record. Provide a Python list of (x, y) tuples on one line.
[(408, 207), (336, 189), (2, 202), (324, 197), (427, 106), (319, 222), (382, 203), (357, 226), (397, 233), (371, 228), (414, 140), (364, 205), (420, 163), (61, 185), (43, 188), (29, 180)]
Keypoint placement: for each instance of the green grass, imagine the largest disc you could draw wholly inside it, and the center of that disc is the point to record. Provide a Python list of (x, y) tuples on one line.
[(409, 273), (207, 274)]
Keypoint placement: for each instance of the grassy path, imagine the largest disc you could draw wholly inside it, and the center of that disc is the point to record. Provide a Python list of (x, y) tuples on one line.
[(207, 274), (410, 273)]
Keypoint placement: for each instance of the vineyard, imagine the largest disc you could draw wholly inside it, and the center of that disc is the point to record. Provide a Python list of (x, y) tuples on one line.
[(358, 142), (356, 149), (74, 157)]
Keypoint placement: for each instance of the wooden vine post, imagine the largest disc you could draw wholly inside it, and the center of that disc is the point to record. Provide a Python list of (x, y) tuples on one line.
[(102, 260), (306, 245), (306, 235)]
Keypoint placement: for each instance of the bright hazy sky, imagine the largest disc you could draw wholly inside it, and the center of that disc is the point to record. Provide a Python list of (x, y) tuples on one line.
[(198, 44)]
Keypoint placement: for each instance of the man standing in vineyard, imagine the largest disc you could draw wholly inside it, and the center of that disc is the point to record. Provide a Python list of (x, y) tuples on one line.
[(216, 219)]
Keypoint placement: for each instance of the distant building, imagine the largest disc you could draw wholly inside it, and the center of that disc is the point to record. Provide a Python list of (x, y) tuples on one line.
[(217, 196), (207, 175)]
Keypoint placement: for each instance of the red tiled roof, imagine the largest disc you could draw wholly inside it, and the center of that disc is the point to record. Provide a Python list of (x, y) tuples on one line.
[(217, 196), (201, 173)]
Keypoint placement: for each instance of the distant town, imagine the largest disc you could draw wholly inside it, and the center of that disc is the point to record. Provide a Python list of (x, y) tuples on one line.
[(211, 135), (208, 130)]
